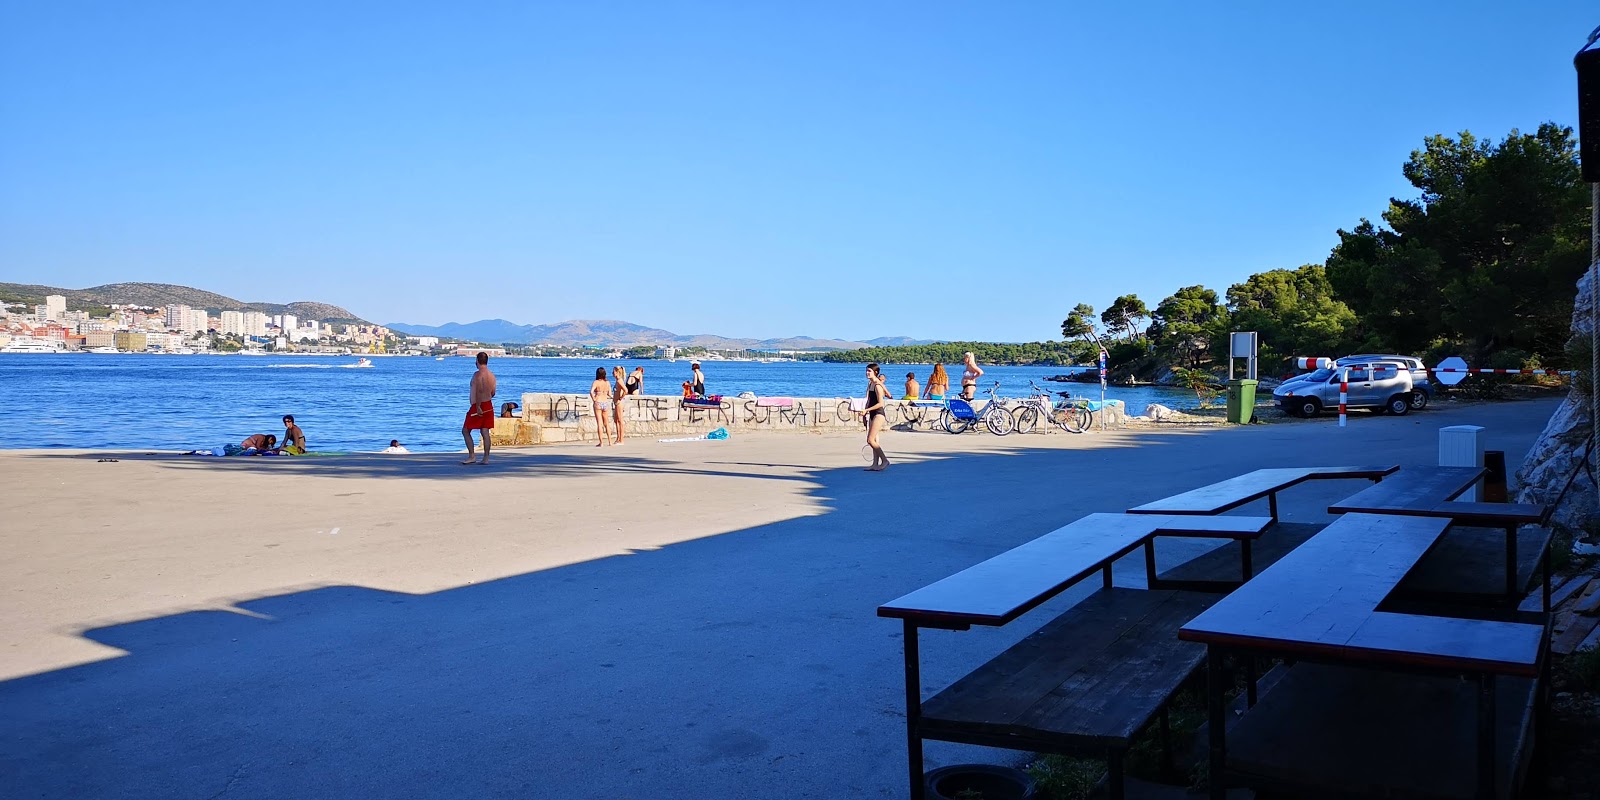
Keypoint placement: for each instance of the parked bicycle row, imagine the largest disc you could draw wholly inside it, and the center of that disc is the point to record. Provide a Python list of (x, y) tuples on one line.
[(1030, 415)]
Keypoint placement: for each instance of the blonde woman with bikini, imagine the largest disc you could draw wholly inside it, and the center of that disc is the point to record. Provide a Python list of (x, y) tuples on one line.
[(600, 397), (970, 376), (617, 395)]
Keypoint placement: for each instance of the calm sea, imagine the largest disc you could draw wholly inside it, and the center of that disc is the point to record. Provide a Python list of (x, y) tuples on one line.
[(189, 402)]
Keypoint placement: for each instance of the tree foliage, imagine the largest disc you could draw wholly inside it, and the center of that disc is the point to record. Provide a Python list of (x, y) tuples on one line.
[(1487, 256), (1184, 325), (1294, 312), (1125, 316)]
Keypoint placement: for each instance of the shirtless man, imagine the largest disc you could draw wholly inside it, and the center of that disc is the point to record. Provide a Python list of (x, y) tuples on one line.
[(294, 439), (480, 411)]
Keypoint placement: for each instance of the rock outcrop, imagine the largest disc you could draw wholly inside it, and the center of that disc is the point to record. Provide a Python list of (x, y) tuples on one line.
[(1557, 456)]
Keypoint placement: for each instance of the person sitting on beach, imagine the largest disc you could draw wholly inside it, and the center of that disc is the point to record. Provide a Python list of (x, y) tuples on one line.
[(636, 381), (258, 443), (913, 389), (698, 380), (938, 383), (688, 390), (508, 410), (294, 439), (395, 448)]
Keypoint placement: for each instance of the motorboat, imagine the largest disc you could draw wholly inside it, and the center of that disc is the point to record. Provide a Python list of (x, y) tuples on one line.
[(103, 351), (30, 345)]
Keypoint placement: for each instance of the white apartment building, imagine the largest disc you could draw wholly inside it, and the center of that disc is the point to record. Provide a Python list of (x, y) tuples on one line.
[(288, 322), (197, 322), (175, 317), (231, 323), (55, 307), (255, 324)]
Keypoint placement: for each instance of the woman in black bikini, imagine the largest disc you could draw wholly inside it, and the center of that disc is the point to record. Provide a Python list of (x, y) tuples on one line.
[(876, 417)]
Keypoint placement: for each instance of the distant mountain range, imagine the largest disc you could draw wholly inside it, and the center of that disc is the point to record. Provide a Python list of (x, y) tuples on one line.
[(163, 294), (615, 333)]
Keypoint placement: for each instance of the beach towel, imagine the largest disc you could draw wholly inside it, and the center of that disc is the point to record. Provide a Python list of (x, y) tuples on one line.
[(775, 402)]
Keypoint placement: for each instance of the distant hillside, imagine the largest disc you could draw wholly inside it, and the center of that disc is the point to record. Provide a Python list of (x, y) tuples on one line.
[(900, 341), (162, 294), (615, 333)]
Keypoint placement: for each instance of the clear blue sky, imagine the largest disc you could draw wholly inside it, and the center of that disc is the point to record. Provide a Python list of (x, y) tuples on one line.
[(949, 170)]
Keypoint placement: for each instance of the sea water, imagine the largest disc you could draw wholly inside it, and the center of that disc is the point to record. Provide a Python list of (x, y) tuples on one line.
[(176, 402)]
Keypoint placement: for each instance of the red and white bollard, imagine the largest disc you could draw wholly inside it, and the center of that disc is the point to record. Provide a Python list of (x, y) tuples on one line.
[(1344, 392), (1311, 362)]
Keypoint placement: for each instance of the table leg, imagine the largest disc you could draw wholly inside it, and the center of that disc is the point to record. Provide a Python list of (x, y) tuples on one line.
[(1511, 563), (1244, 555), (1486, 778), (1216, 693), (1249, 664), (1544, 567), (1272, 505), (1115, 776), (913, 712), (1150, 563), (1105, 578)]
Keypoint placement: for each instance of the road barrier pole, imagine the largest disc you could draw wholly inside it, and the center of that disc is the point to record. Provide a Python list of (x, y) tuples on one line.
[(1344, 392)]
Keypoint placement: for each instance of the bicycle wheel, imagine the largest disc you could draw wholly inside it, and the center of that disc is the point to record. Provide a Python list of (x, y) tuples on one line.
[(1071, 418), (997, 418), (953, 424), (1026, 419)]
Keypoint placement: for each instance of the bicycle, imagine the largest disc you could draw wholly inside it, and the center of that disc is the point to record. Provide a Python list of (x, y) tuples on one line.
[(1033, 411), (1073, 415), (959, 416)]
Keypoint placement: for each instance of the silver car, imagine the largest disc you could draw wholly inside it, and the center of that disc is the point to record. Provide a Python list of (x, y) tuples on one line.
[(1384, 385), (1421, 386)]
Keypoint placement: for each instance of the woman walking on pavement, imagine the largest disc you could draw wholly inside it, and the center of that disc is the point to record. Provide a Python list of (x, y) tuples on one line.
[(876, 418)]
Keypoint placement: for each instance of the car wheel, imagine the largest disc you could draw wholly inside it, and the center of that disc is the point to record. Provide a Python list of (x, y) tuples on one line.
[(1399, 405), (1307, 407), (1419, 401)]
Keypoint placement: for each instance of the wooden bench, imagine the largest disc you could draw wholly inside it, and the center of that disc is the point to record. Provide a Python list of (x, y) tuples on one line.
[(1251, 486), (1209, 572), (1088, 681), (1452, 571), (1321, 604)]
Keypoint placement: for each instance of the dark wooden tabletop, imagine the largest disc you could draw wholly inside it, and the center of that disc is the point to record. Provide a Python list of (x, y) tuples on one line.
[(1251, 486), (1414, 490), (1014, 582), (1321, 600)]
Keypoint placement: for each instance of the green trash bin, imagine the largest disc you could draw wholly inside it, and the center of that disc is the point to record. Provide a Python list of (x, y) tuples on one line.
[(1241, 401)]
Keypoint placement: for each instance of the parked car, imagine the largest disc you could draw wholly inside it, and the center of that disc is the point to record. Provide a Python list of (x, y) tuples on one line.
[(1383, 385), (1421, 386)]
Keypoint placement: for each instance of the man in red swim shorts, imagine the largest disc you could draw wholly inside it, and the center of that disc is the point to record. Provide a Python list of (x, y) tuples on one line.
[(480, 410)]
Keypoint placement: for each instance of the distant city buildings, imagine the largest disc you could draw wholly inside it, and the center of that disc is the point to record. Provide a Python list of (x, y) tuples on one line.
[(50, 327)]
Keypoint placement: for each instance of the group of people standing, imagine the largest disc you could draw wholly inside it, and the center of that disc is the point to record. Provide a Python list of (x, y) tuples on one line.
[(607, 394), (875, 412)]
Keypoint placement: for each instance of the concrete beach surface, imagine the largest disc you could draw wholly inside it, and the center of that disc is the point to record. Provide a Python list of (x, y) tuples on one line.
[(688, 620)]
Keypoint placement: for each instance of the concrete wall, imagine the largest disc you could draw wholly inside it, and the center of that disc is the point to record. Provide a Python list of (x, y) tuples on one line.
[(552, 418)]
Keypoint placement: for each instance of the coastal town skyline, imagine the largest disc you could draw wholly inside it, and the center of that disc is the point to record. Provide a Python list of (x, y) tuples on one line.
[(839, 171)]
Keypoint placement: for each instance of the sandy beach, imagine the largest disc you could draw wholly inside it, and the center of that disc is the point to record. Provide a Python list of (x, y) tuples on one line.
[(689, 620)]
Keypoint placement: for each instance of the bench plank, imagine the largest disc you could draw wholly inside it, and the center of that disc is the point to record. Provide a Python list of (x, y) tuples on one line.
[(1014, 582), (1092, 678), (1409, 735), (1251, 486), (1419, 491), (1321, 601)]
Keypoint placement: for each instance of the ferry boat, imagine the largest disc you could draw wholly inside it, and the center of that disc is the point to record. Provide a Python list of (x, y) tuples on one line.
[(103, 351), (30, 345)]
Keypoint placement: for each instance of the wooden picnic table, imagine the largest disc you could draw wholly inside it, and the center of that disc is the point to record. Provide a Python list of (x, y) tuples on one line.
[(1087, 681), (1251, 486), (1432, 492), (1320, 604)]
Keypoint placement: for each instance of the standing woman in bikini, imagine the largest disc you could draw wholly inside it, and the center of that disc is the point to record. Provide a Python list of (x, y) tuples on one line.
[(969, 377), (617, 395), (600, 397), (877, 419)]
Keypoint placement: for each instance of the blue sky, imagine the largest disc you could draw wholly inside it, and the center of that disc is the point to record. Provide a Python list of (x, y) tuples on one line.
[(949, 170)]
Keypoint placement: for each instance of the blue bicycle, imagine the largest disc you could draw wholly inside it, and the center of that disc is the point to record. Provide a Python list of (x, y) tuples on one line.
[(959, 416)]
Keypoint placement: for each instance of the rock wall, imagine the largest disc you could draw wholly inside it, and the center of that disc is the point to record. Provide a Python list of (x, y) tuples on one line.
[(553, 418), (1559, 451)]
